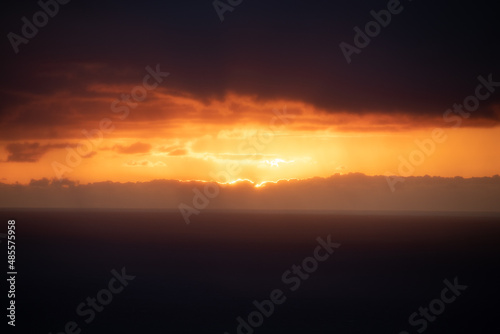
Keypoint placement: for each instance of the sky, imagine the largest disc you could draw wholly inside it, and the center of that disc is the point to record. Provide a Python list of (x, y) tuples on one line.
[(254, 93)]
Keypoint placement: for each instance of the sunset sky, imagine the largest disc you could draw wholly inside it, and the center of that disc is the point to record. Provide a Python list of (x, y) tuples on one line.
[(185, 166), (166, 91)]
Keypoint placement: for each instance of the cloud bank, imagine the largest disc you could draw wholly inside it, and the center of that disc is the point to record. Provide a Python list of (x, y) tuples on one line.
[(351, 192)]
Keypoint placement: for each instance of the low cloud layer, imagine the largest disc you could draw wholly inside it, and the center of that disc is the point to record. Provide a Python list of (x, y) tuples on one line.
[(351, 192)]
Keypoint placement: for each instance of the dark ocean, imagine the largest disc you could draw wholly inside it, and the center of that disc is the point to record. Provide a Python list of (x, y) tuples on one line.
[(199, 278)]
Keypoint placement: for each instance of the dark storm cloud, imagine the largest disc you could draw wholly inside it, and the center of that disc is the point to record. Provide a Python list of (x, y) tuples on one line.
[(426, 59)]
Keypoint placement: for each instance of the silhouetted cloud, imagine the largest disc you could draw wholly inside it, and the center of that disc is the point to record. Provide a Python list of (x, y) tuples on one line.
[(351, 192), (40, 183), (29, 152)]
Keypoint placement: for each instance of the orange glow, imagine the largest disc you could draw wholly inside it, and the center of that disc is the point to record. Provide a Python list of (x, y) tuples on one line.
[(243, 139)]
